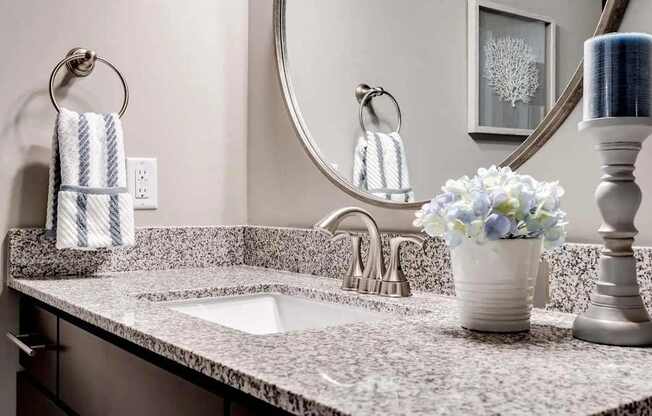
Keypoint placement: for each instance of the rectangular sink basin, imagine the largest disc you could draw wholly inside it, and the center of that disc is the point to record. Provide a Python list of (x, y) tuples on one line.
[(269, 313)]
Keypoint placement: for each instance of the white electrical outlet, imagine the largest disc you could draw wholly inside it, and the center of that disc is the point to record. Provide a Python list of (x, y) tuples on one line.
[(142, 182)]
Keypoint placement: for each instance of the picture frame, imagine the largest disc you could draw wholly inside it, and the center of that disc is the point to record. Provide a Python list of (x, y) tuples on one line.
[(506, 102)]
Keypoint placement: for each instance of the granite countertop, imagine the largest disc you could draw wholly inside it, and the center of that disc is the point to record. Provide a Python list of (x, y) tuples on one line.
[(419, 362)]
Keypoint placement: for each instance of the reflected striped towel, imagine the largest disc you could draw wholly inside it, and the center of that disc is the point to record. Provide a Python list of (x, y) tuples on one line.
[(380, 167), (88, 202)]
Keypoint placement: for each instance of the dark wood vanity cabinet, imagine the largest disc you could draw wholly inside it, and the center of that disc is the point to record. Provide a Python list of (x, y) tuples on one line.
[(32, 400), (42, 367), (84, 370), (98, 378)]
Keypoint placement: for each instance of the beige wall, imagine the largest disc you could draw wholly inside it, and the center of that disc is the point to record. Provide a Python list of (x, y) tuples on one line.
[(284, 188), (186, 65)]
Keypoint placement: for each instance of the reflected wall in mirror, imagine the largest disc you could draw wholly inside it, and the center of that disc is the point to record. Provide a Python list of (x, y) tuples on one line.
[(379, 90)]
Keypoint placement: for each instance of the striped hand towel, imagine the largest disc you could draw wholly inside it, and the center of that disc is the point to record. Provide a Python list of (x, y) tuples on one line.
[(88, 203), (380, 167)]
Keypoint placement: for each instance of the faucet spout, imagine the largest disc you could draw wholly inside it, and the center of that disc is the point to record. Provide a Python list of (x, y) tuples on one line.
[(375, 266)]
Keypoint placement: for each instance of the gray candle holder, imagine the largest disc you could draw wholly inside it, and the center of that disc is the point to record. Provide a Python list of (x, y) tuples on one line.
[(616, 314)]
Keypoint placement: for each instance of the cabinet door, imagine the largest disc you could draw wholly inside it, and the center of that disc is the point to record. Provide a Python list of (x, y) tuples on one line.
[(240, 409), (30, 401), (41, 324), (97, 378)]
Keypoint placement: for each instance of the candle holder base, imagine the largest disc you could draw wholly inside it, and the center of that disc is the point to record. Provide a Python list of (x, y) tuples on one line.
[(616, 324)]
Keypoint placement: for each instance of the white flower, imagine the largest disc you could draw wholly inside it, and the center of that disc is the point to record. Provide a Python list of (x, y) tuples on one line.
[(456, 187), (435, 227), (549, 194), (475, 230)]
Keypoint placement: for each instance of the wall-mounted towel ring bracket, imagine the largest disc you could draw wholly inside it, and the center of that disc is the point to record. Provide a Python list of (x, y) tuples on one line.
[(80, 63), (364, 94)]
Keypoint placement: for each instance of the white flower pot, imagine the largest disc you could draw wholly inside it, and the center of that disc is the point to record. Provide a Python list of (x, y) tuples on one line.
[(494, 283)]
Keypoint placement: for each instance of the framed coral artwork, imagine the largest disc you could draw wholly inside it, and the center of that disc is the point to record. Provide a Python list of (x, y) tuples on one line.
[(511, 69)]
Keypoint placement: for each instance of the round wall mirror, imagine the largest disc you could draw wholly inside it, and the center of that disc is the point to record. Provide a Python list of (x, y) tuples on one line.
[(392, 98)]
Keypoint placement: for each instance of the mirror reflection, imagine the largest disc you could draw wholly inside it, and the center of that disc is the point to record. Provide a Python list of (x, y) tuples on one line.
[(399, 96)]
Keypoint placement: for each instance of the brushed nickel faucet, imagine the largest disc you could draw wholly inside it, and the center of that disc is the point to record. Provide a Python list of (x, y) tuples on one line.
[(374, 270)]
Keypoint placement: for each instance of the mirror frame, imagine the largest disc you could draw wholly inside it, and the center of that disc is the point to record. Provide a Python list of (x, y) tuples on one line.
[(610, 19)]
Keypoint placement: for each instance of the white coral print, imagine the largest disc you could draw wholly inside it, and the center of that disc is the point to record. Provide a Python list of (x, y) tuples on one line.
[(511, 69)]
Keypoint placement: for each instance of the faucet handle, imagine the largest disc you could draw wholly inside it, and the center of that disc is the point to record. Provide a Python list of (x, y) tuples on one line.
[(394, 283), (352, 278)]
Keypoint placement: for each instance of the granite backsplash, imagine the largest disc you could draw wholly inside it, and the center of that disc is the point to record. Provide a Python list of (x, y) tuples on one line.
[(573, 267)]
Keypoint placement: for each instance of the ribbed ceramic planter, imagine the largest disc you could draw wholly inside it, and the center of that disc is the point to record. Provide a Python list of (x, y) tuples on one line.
[(494, 283)]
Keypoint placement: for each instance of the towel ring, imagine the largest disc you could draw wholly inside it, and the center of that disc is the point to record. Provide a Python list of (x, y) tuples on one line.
[(80, 63), (364, 93)]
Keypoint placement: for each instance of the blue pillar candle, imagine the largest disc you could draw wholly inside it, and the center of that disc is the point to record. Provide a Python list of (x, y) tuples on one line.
[(617, 75)]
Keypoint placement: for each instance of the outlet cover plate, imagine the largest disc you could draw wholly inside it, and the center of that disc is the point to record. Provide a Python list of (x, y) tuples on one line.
[(142, 182)]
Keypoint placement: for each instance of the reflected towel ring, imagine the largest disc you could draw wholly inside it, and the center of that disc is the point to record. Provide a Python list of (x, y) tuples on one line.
[(364, 93), (80, 63)]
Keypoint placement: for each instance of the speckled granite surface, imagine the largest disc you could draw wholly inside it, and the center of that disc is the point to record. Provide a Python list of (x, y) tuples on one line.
[(289, 249), (573, 267), (31, 255), (418, 362), (308, 251)]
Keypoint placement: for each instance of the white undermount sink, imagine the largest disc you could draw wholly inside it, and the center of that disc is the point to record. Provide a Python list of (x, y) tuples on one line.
[(269, 313)]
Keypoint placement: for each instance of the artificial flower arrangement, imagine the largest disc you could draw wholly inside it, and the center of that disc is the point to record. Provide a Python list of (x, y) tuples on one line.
[(495, 204)]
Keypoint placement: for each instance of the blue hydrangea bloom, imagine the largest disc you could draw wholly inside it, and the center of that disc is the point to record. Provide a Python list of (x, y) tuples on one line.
[(461, 213), (497, 226), (481, 203)]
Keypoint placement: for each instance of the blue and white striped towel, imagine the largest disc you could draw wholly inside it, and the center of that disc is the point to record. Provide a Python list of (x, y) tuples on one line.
[(88, 203), (380, 167)]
